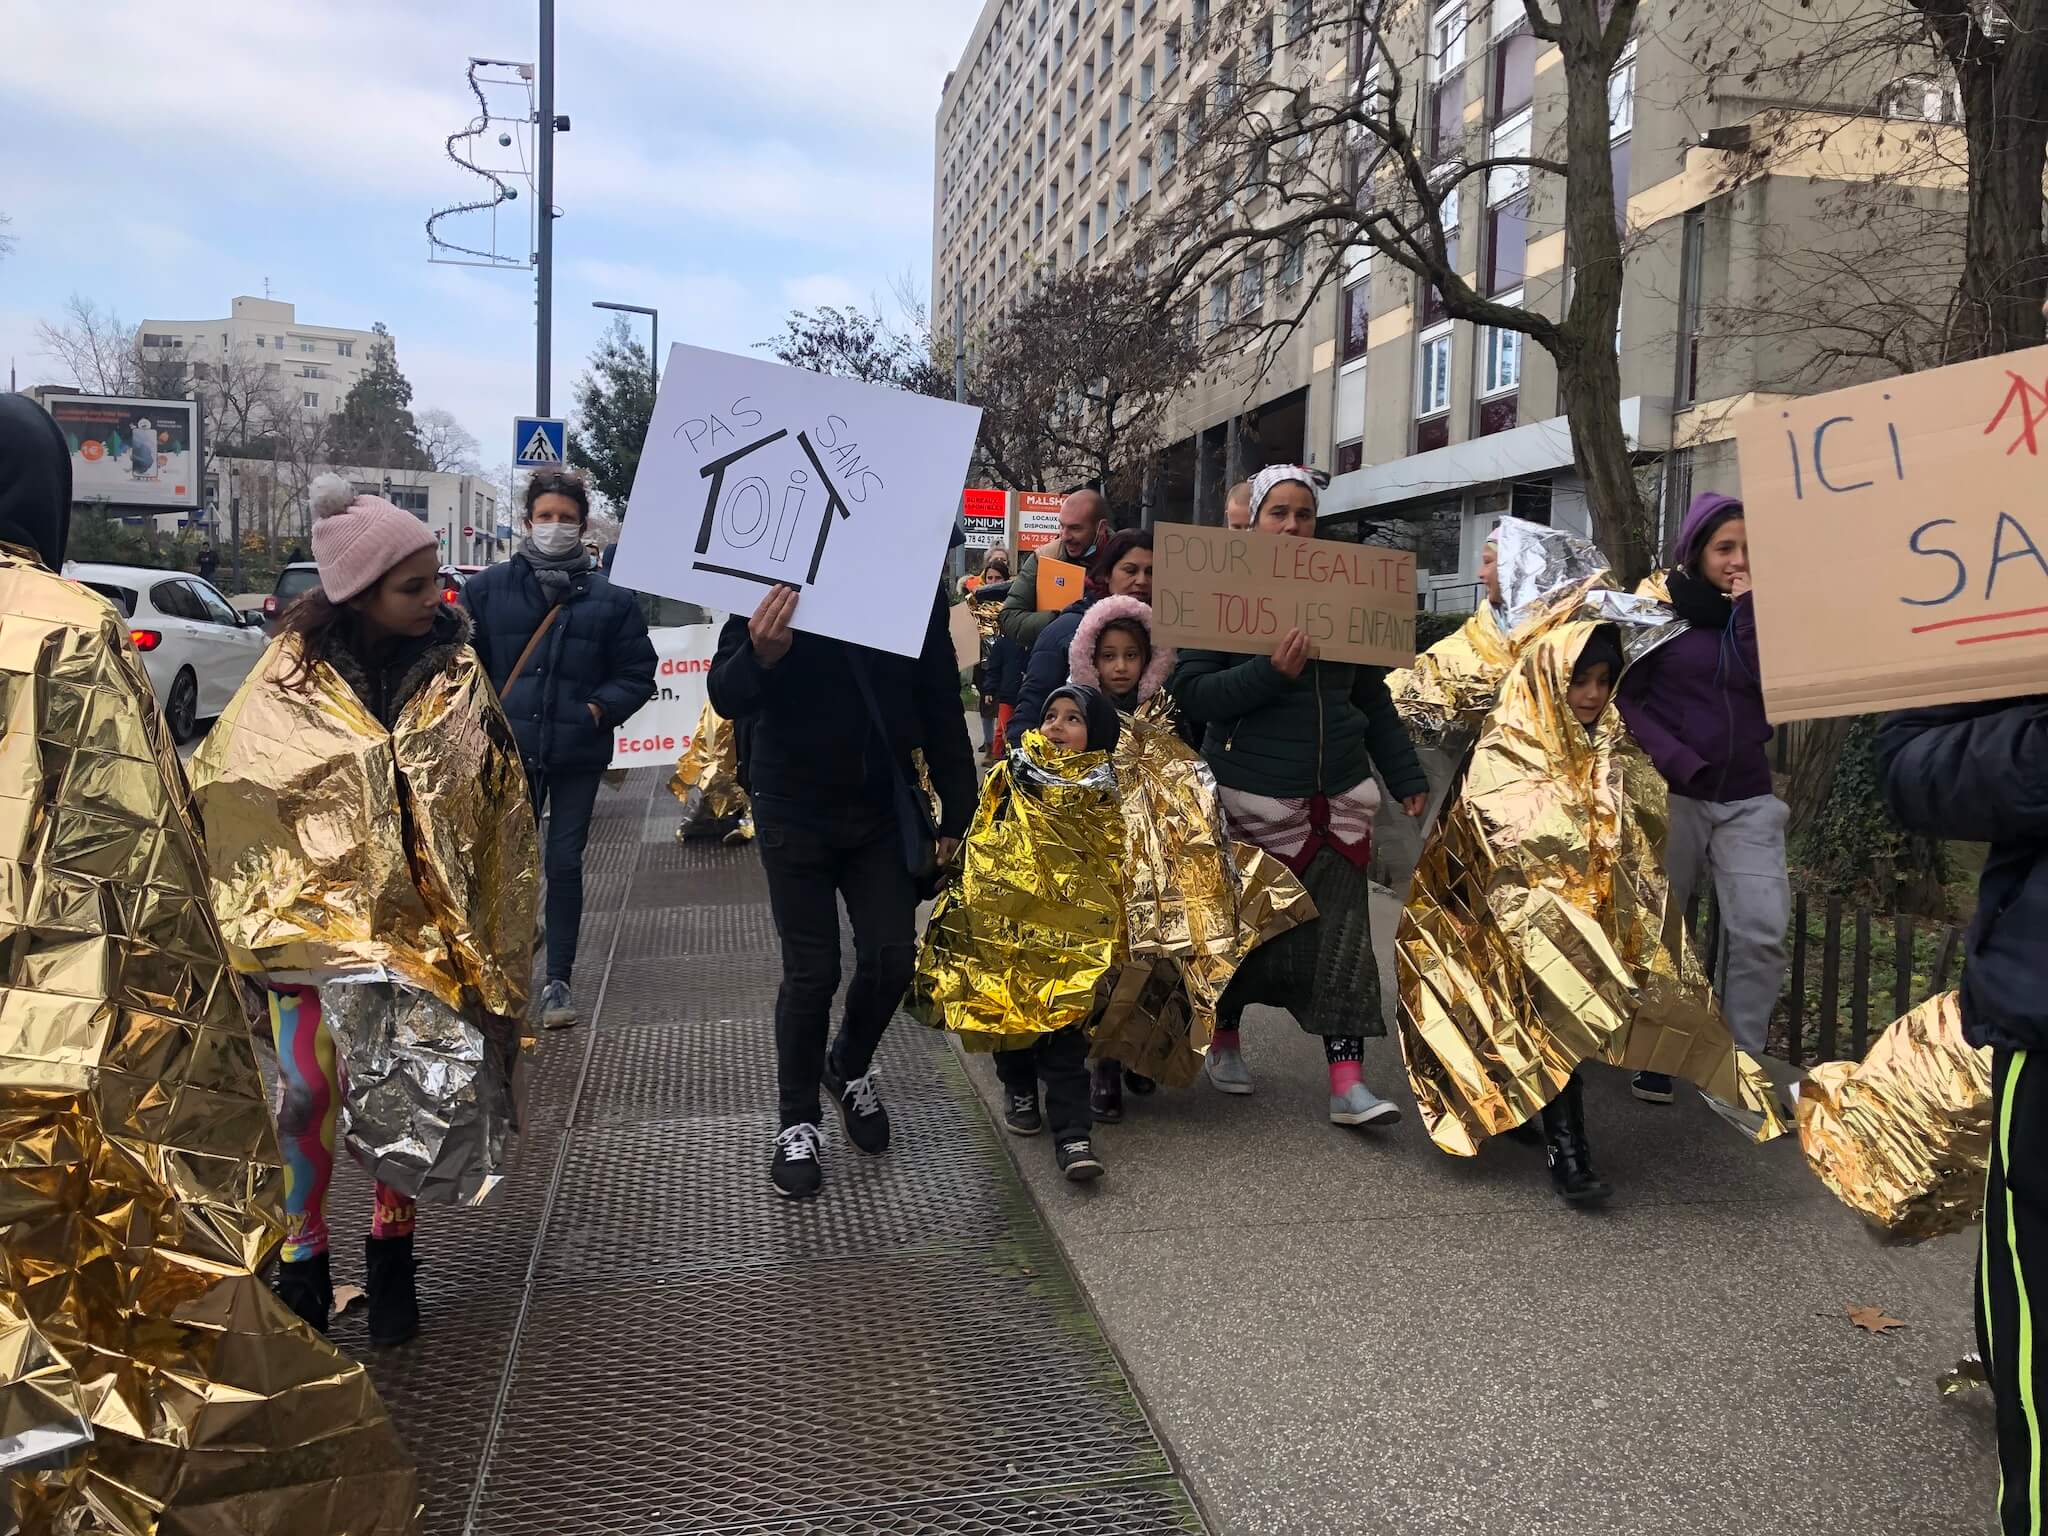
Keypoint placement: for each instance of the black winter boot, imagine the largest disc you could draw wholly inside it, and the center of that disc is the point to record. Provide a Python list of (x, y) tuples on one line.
[(1571, 1159), (1105, 1090), (307, 1287), (388, 1267)]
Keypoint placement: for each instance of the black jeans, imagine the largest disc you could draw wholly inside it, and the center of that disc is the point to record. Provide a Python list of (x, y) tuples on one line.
[(1061, 1059), (567, 796), (815, 856)]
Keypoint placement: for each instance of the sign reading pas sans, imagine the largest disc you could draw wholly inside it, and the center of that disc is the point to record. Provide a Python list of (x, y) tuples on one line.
[(1922, 500), (756, 475)]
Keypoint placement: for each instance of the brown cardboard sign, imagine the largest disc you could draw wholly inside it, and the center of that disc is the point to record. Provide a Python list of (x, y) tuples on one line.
[(1898, 535), (1219, 590)]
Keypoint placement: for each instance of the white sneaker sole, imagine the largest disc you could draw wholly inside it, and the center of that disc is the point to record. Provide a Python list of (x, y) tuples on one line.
[(1381, 1113), (560, 1018), (1236, 1090)]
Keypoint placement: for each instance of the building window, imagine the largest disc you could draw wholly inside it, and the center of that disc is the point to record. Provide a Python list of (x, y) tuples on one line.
[(310, 399), (1297, 21), (1196, 120), (1290, 265), (305, 346), (1500, 357), (1087, 79), (1102, 135), (1921, 99), (1169, 150), (1507, 244), (1087, 158), (1433, 372), (1108, 55), (1127, 21), (1226, 82), (1433, 302), (1101, 220), (1081, 243), (1691, 275), (1144, 175), (1262, 46), (1169, 50), (1198, 19), (1251, 290), (1123, 112), (1446, 65), (1147, 81), (1123, 196), (1621, 94), (1219, 305), (1432, 434), (1350, 456), (1514, 69), (1357, 319), (260, 341)]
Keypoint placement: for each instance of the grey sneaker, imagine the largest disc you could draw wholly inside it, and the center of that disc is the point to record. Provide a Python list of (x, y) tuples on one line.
[(1227, 1071), (1359, 1105), (556, 1011)]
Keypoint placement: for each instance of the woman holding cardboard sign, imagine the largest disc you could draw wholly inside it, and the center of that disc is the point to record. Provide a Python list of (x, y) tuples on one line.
[(1293, 741)]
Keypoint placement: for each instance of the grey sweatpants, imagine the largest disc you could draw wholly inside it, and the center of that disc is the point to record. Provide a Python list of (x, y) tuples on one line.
[(1742, 844)]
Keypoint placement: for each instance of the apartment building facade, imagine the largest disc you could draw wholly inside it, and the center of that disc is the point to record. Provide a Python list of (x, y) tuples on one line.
[(1068, 122), (315, 365)]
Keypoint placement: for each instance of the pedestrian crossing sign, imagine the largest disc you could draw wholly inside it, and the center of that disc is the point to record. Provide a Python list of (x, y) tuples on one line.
[(538, 441)]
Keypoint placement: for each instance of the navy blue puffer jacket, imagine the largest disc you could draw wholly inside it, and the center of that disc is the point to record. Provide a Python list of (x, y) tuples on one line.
[(597, 652)]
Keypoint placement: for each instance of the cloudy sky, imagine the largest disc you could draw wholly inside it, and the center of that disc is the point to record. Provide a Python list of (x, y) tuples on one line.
[(728, 161)]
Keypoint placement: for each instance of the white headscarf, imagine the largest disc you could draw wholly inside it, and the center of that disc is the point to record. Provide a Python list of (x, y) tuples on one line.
[(1275, 474)]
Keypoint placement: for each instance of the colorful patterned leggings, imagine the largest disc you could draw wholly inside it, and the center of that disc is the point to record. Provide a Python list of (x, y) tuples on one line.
[(305, 1125)]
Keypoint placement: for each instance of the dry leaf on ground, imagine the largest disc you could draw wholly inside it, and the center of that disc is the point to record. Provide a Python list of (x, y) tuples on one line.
[(1873, 1320)]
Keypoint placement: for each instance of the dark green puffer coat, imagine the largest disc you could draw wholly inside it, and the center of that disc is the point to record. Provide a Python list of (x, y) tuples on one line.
[(1320, 733)]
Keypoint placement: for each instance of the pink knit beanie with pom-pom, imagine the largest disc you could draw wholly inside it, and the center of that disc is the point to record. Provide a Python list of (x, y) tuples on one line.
[(357, 539)]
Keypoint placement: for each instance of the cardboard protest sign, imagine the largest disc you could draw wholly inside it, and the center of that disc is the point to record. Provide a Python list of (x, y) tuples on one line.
[(660, 730), (966, 632), (755, 474), (1218, 590), (1059, 583), (1898, 533), (1038, 520)]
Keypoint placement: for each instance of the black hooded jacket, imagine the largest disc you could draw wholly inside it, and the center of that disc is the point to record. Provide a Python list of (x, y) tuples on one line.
[(35, 480), (1979, 772)]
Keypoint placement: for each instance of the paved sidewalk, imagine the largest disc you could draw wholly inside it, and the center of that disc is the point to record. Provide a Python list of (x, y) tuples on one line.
[(637, 1335), (1343, 1331)]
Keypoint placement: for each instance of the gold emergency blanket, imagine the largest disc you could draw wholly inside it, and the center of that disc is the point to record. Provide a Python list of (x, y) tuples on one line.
[(320, 877), (707, 781), (988, 613), (1904, 1135), (1031, 920), (1538, 932), (1453, 684), (1195, 904), (142, 1184)]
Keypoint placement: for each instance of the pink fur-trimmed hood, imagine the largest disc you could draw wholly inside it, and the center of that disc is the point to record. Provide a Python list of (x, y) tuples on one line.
[(1081, 654)]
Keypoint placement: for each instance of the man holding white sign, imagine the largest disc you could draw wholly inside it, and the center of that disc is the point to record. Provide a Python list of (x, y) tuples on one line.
[(837, 665)]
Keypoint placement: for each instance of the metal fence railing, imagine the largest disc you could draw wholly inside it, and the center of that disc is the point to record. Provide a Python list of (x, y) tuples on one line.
[(1851, 973)]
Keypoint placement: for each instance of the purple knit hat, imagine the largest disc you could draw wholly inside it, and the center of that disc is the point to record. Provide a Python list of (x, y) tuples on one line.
[(357, 539)]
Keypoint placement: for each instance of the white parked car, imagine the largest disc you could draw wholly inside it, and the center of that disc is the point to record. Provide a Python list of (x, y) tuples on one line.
[(195, 646)]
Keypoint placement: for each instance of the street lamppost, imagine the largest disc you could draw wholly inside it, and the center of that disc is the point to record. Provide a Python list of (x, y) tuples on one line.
[(654, 346)]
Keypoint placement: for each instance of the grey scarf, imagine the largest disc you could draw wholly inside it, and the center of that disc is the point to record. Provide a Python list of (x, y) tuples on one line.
[(554, 572)]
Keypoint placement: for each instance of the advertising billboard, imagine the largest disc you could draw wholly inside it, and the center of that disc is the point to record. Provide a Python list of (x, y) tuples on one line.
[(133, 453), (1038, 519), (985, 517)]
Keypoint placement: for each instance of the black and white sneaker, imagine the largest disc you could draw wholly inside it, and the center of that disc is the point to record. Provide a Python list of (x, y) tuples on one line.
[(861, 1114), (1078, 1160), (1020, 1114), (797, 1173)]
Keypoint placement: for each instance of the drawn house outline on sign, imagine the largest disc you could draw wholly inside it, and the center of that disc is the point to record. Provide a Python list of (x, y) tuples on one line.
[(794, 494)]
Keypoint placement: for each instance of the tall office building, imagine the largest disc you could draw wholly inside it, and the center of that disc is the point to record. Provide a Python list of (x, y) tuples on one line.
[(1068, 123)]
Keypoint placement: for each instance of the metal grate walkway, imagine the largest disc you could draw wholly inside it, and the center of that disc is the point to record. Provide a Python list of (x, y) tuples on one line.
[(637, 1335)]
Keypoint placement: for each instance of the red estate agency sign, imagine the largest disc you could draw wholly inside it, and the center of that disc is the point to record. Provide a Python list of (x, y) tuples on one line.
[(1218, 590), (987, 515), (1899, 536)]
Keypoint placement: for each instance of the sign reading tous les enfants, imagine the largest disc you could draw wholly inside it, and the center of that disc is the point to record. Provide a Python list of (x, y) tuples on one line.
[(755, 475), (1898, 532), (1219, 590)]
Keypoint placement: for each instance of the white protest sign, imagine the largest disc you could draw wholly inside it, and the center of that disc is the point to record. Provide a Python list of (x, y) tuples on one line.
[(750, 469), (660, 731)]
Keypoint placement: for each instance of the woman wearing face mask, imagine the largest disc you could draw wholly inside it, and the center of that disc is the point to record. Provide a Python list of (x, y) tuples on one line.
[(570, 656)]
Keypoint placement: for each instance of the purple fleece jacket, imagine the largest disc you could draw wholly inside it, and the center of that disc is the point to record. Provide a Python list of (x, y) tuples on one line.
[(1696, 703)]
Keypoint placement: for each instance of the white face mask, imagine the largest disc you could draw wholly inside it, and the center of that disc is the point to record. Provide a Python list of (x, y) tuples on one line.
[(557, 539)]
